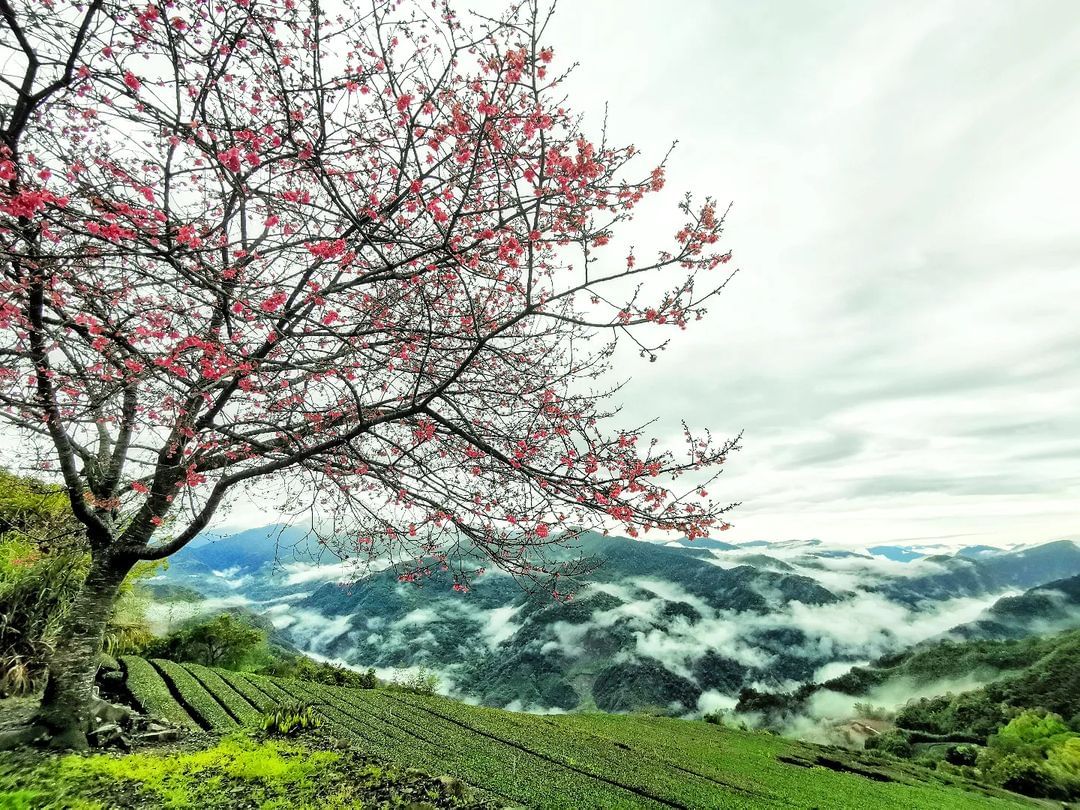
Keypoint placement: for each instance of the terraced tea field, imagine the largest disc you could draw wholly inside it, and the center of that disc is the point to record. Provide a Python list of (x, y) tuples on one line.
[(564, 761)]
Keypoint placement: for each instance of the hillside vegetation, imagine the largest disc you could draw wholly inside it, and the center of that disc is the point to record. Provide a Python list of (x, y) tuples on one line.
[(580, 760), (238, 772), (1027, 685), (1040, 671), (1037, 671), (682, 626)]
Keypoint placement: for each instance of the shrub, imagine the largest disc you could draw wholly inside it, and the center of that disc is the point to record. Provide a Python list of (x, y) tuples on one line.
[(303, 668), (895, 743), (225, 641), (43, 562), (227, 695), (963, 754), (716, 718), (969, 713), (195, 695), (422, 681), (1035, 754), (340, 676), (1027, 729), (35, 592), (288, 721), (152, 693), (1027, 776)]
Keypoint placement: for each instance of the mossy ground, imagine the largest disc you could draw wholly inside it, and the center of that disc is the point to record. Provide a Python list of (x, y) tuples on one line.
[(238, 771)]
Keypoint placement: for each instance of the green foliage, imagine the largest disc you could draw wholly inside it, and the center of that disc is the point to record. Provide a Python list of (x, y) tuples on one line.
[(421, 681), (288, 721), (766, 703), (34, 509), (597, 760), (303, 668), (1029, 747), (1022, 775), (43, 562), (199, 702), (42, 566), (224, 640), (236, 772), (962, 755), (152, 693), (894, 742), (715, 718), (1063, 758), (1019, 674), (972, 714), (35, 592), (1030, 728), (1035, 754), (1049, 681)]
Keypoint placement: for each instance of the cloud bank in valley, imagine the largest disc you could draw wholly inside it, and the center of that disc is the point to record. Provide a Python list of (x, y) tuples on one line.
[(660, 621)]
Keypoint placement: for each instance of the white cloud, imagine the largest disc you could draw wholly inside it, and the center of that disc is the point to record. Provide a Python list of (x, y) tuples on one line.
[(521, 706), (711, 701), (862, 626), (228, 576), (298, 573), (870, 621), (834, 669), (499, 625), (165, 617), (418, 618), (315, 629)]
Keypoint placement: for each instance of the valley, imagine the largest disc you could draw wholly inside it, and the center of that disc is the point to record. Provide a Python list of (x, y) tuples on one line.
[(681, 628)]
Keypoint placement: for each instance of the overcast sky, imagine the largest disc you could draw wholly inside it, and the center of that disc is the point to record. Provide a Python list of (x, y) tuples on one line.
[(902, 343)]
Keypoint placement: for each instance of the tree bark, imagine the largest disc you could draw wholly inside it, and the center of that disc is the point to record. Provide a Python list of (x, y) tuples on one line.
[(73, 664)]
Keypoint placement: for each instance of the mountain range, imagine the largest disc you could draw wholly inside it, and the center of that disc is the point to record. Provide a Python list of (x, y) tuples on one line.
[(681, 627)]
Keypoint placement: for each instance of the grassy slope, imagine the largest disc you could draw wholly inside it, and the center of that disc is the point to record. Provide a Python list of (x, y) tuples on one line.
[(761, 770), (693, 764), (598, 760), (233, 773)]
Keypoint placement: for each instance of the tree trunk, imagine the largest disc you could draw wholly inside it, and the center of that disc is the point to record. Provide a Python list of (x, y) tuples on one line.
[(65, 706)]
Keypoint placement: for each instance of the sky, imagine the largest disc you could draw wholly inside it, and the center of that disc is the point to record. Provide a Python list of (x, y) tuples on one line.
[(901, 345)]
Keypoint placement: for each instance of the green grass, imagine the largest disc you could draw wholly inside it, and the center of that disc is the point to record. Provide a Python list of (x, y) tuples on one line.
[(152, 693), (237, 772), (600, 760)]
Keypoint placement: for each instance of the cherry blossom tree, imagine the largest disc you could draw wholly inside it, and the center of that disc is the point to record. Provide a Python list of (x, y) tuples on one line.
[(369, 254)]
